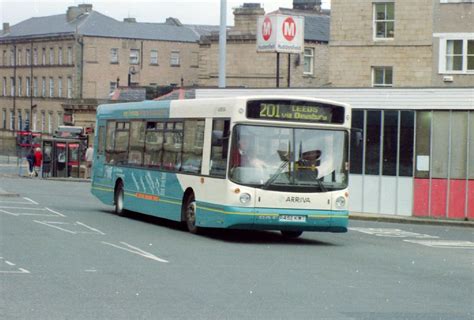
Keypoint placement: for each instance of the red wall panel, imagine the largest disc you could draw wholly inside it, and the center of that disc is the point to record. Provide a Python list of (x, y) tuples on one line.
[(457, 199), (470, 201), (421, 197), (439, 189)]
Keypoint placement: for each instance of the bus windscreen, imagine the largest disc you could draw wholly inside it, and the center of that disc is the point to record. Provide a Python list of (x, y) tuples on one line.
[(295, 110)]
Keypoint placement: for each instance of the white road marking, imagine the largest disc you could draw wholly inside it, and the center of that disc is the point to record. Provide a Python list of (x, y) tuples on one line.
[(11, 264), (22, 208), (90, 228), (393, 233), (52, 225), (11, 213), (136, 251), (66, 227), (449, 244), (16, 202), (59, 214), (32, 201)]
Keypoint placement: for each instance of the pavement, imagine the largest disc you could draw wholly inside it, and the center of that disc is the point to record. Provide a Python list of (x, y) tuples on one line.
[(353, 215)]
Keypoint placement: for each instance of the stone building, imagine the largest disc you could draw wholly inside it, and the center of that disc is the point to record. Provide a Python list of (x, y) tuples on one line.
[(59, 68), (401, 43), (247, 68)]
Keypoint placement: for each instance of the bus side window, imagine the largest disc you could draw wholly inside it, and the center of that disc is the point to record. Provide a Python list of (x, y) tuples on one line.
[(192, 146), (137, 143), (109, 144), (100, 140), (121, 143), (219, 147)]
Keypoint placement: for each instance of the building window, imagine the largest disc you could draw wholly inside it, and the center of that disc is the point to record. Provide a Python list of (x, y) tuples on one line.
[(4, 86), (4, 58), (50, 122), (154, 57), (43, 60), (174, 60), (51, 55), (12, 119), (20, 86), (12, 57), (27, 120), (28, 57), (69, 55), (35, 87), (12, 86), (35, 119), (60, 56), (43, 121), (35, 56), (4, 118), (19, 56), (43, 87), (308, 60), (134, 56), (69, 87), (114, 55), (382, 76), (59, 118), (60, 87), (20, 121), (384, 20), (457, 55), (112, 87), (51, 87), (28, 86)]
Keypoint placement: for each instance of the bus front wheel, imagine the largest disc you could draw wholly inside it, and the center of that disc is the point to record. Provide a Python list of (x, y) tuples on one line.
[(118, 200), (190, 214), (291, 234)]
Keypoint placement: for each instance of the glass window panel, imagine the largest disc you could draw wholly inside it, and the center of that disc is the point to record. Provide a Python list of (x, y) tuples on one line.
[(390, 30), (357, 141), (219, 147), (121, 147), (457, 63), (172, 147), (388, 76), (440, 144), (390, 141), (458, 144), (109, 144), (378, 75), (407, 127), (372, 149), (457, 46), (380, 31), (137, 143), (193, 145), (470, 46), (100, 140), (470, 62), (380, 11), (390, 11), (423, 143), (153, 148)]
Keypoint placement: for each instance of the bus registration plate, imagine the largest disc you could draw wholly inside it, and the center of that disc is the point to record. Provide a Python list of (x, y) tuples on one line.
[(288, 218)]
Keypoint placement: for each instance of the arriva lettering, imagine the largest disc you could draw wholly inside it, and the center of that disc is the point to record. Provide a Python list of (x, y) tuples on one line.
[(298, 199)]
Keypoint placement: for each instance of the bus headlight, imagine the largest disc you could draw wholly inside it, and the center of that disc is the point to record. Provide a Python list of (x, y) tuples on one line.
[(340, 202), (245, 198)]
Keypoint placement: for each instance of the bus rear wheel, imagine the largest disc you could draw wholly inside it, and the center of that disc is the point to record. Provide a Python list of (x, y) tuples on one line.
[(190, 214), (291, 234), (118, 200)]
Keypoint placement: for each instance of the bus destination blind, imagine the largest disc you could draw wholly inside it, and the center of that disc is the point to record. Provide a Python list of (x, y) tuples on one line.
[(300, 111)]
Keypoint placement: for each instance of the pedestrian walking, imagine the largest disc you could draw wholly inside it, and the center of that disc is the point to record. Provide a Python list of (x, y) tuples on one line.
[(89, 159), (38, 161), (30, 157)]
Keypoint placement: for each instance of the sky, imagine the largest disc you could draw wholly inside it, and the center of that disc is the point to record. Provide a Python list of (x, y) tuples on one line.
[(187, 11)]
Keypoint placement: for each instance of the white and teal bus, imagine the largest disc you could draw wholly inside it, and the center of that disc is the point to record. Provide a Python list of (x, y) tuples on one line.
[(263, 162)]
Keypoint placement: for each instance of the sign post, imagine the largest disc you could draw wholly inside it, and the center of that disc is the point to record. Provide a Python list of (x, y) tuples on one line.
[(280, 34)]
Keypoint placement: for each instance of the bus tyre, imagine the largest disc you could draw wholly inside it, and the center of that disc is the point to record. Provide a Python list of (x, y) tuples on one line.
[(291, 234), (190, 214), (118, 200)]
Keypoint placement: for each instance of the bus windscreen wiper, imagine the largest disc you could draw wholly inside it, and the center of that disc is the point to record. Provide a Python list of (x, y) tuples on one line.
[(276, 174)]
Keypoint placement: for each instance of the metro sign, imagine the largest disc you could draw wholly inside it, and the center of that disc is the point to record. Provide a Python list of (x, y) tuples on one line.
[(280, 33), (266, 29), (289, 29)]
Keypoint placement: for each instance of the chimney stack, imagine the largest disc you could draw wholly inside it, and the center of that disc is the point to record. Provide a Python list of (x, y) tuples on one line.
[(6, 28), (309, 5), (245, 17), (74, 12)]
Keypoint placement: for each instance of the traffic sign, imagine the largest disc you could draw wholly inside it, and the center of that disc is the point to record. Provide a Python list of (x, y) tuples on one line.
[(280, 33)]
